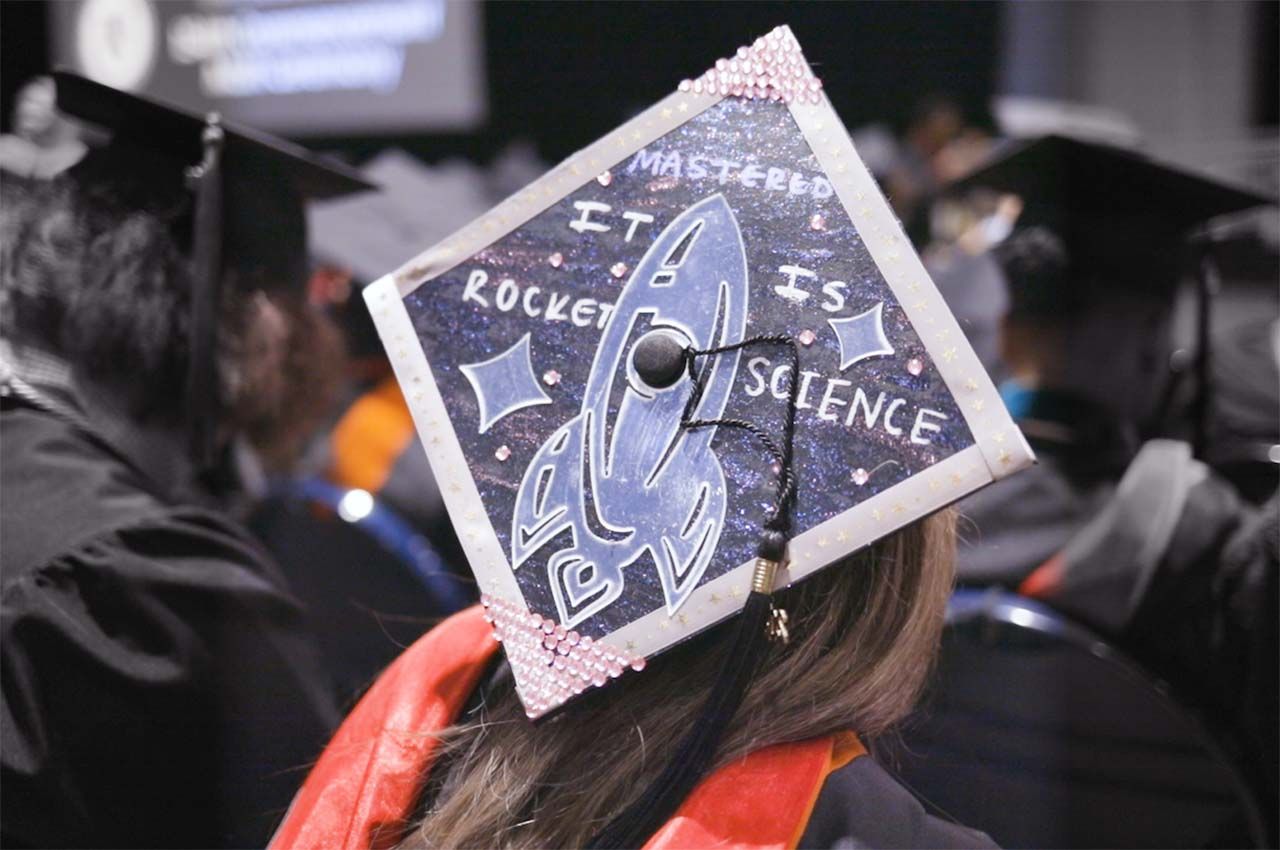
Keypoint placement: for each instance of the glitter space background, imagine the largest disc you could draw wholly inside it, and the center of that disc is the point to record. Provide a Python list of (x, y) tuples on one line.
[(776, 231)]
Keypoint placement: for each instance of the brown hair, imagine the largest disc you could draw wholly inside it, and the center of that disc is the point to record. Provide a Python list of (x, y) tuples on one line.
[(864, 633)]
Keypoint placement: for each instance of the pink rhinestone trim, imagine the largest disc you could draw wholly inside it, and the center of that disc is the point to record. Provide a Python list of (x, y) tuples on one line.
[(551, 664), (772, 68)]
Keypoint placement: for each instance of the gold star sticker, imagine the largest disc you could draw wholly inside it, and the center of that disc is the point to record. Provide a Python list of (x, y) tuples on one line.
[(943, 334), (843, 537), (921, 304), (621, 142), (876, 515), (1004, 457), (682, 106), (898, 508), (666, 112), (631, 646), (664, 624), (822, 542), (735, 592), (636, 135), (470, 516), (935, 484), (454, 487), (949, 354), (435, 441), (841, 168), (682, 619), (978, 404), (715, 598), (956, 478), (970, 384), (998, 436)]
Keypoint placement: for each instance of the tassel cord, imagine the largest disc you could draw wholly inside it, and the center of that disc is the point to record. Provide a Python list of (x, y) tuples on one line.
[(663, 796)]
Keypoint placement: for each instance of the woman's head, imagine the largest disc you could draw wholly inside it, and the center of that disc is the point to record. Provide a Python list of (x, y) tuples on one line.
[(864, 633)]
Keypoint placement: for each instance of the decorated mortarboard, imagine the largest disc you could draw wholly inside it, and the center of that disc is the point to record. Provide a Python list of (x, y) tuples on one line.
[(601, 372), (248, 189)]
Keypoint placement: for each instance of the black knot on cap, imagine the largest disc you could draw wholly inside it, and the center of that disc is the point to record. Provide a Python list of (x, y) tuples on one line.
[(659, 359), (772, 546)]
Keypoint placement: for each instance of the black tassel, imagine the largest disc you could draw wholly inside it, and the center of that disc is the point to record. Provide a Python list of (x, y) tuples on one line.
[(757, 623), (206, 285), (660, 800)]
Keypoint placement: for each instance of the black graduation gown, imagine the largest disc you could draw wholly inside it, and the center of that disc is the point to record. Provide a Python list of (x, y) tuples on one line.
[(861, 805), (159, 686)]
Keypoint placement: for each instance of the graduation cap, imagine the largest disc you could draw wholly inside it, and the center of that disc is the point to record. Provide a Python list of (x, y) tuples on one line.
[(1097, 218), (249, 189), (1121, 217), (696, 362)]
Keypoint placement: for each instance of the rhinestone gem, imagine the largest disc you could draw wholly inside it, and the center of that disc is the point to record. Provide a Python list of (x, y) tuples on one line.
[(915, 365), (604, 178), (551, 377), (618, 270), (556, 260), (807, 337), (817, 222), (861, 476), (502, 453)]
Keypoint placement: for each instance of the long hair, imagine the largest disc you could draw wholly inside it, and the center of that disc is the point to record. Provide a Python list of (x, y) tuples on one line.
[(864, 633)]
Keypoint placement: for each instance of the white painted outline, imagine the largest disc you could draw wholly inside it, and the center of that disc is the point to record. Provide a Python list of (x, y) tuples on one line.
[(471, 372)]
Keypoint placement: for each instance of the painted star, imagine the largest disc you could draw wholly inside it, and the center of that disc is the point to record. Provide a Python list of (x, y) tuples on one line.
[(861, 336), (504, 384)]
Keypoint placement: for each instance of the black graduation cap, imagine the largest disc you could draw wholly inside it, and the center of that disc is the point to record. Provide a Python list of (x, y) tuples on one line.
[(249, 191), (1122, 217)]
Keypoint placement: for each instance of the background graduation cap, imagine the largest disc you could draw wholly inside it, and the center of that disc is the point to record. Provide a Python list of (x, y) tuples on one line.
[(249, 189), (1122, 220), (699, 342)]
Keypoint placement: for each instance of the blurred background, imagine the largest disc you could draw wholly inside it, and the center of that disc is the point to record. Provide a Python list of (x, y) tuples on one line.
[(1040, 730), (1196, 80)]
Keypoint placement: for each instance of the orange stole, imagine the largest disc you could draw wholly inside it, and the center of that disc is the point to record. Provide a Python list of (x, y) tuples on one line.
[(362, 791), (370, 437)]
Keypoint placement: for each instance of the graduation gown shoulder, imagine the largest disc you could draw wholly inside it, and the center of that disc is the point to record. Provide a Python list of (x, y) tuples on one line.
[(159, 685)]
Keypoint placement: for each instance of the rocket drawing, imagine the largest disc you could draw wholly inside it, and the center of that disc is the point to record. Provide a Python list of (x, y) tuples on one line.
[(621, 485)]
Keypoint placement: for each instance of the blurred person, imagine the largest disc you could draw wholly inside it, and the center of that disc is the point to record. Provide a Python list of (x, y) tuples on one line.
[(43, 143), (934, 123), (160, 687), (1132, 536), (359, 527)]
